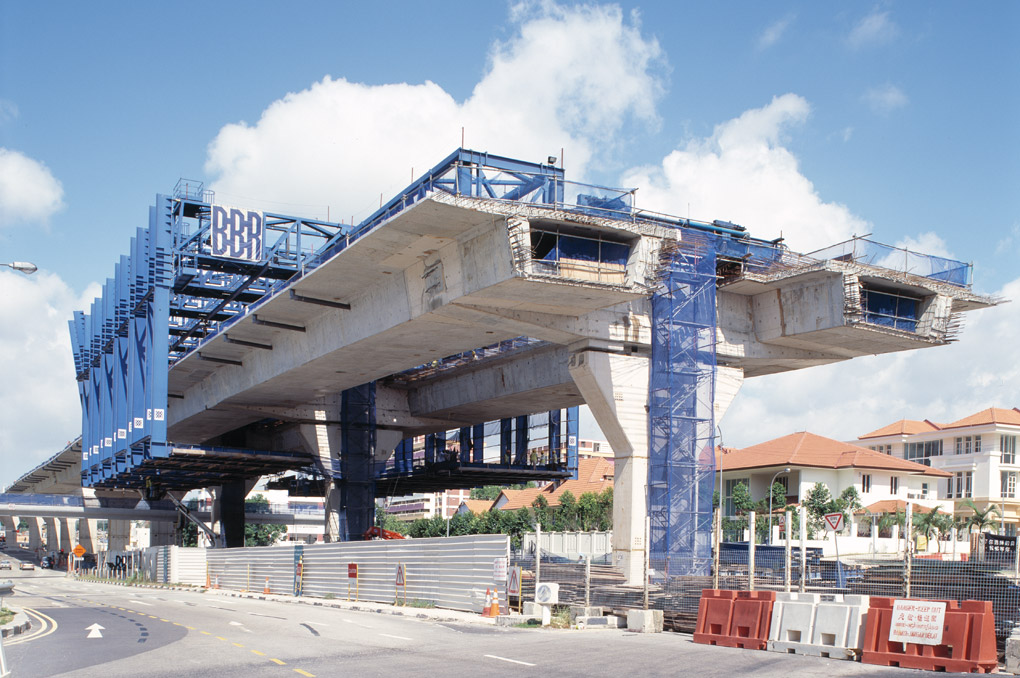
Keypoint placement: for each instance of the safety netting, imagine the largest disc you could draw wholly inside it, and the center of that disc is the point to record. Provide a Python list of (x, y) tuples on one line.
[(681, 419)]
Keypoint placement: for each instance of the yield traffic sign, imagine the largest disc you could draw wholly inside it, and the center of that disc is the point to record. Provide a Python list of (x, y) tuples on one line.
[(834, 521)]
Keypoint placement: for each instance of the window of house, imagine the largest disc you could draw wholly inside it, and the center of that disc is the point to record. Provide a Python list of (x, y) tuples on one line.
[(965, 444), (923, 451), (964, 484), (924, 490), (728, 486), (1008, 484), (1007, 444), (865, 483), (894, 485), (977, 444), (968, 478)]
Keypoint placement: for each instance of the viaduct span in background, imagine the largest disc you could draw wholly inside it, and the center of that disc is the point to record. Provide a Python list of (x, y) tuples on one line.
[(231, 344)]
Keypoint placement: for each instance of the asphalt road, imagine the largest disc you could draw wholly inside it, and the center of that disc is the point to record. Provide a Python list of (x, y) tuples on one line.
[(97, 630)]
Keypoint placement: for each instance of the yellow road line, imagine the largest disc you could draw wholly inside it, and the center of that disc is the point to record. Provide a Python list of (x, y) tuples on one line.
[(304, 673), (220, 638), (166, 620), (178, 624), (190, 628), (237, 644), (206, 633), (281, 663), (261, 654), (43, 631)]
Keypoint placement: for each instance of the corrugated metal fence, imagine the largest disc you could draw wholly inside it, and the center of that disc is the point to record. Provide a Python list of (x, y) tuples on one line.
[(452, 572)]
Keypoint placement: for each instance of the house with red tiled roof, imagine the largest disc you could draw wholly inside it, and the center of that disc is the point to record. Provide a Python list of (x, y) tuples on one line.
[(593, 475), (800, 460), (478, 506), (978, 452)]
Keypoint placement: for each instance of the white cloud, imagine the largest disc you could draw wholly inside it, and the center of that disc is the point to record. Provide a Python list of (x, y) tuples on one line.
[(29, 193), (774, 32), (742, 173), (928, 242), (39, 406), (849, 399), (875, 29), (8, 110), (885, 99), (570, 78)]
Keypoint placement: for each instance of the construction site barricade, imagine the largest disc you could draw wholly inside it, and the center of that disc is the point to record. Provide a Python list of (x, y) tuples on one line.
[(822, 625), (968, 639), (734, 618)]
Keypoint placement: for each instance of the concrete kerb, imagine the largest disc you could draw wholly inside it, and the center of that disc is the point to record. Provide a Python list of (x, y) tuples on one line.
[(20, 624)]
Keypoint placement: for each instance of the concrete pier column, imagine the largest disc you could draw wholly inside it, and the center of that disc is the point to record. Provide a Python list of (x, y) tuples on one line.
[(118, 535), (34, 534), (10, 524), (163, 533), (615, 387), (52, 535), (228, 513), (87, 534), (64, 531)]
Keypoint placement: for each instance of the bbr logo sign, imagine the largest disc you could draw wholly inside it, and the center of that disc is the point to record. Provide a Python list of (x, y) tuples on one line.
[(236, 234)]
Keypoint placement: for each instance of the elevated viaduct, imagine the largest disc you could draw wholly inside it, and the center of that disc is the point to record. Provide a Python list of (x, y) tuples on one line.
[(490, 289)]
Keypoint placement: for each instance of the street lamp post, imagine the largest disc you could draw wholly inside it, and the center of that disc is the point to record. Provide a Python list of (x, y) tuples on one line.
[(773, 482), (22, 266)]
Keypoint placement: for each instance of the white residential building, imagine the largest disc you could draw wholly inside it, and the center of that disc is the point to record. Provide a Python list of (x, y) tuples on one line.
[(979, 452)]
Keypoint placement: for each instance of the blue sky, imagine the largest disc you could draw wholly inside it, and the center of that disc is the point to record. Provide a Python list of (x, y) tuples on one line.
[(817, 120)]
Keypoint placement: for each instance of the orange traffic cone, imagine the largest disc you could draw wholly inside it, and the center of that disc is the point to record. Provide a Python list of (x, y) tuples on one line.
[(494, 610), (487, 608), (266, 590)]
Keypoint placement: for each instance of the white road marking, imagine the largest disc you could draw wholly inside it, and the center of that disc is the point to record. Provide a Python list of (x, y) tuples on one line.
[(504, 659), (390, 635), (243, 628), (140, 602), (351, 621), (94, 630), (316, 623)]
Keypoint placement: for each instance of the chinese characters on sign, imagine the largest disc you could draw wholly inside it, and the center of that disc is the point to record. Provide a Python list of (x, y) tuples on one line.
[(917, 621)]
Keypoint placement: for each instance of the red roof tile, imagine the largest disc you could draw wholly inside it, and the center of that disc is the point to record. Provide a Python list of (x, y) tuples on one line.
[(993, 415), (593, 475), (808, 449), (892, 506), (903, 427)]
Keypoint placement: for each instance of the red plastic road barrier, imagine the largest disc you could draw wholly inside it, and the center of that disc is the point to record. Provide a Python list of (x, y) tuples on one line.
[(968, 640), (734, 618)]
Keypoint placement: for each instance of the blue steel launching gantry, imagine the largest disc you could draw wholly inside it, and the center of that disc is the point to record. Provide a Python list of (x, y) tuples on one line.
[(477, 308)]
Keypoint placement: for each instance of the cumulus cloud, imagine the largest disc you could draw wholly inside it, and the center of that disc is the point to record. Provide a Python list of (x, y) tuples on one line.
[(39, 406), (885, 99), (742, 173), (29, 193), (875, 29), (773, 33), (571, 77), (8, 111)]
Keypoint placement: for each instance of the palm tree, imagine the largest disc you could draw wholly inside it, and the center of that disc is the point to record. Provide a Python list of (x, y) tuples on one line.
[(930, 524), (982, 520)]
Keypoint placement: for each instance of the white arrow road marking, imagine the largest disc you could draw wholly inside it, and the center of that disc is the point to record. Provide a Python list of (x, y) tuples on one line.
[(140, 602), (94, 630), (246, 630)]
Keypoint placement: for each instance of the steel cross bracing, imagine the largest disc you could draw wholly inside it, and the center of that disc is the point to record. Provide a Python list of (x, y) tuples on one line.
[(681, 397)]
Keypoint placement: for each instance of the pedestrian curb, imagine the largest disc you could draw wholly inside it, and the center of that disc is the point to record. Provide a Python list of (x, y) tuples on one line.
[(16, 626), (379, 608)]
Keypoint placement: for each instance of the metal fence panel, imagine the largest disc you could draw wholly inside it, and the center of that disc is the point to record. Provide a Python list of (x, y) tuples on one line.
[(188, 565), (255, 568), (451, 572)]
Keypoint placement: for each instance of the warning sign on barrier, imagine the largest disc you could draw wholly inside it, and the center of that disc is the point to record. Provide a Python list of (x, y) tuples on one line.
[(917, 621), (513, 585), (401, 575)]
